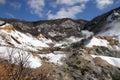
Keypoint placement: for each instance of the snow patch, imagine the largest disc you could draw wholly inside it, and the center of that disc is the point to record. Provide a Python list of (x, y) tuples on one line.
[(97, 42), (1, 22), (16, 54), (54, 58), (28, 40), (67, 41), (3, 26)]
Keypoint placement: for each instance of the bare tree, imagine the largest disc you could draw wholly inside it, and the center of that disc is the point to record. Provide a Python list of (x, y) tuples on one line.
[(15, 65)]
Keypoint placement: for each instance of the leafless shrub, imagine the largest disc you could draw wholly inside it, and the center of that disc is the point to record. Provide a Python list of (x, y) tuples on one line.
[(15, 66)]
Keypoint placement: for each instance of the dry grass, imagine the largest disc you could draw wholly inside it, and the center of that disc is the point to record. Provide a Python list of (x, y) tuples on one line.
[(36, 55), (8, 28), (16, 72), (101, 62), (45, 49)]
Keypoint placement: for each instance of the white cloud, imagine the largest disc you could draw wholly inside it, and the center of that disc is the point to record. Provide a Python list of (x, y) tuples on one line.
[(70, 9), (2, 1), (15, 5), (36, 6), (63, 8), (69, 12), (71, 2), (101, 4)]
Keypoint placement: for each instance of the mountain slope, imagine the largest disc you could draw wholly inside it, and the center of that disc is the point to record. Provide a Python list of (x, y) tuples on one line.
[(75, 49), (11, 37), (37, 27), (98, 23)]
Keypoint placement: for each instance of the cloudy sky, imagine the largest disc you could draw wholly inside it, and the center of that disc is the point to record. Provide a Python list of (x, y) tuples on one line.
[(32, 10)]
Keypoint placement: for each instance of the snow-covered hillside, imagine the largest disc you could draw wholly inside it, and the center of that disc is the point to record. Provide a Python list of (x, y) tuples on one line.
[(67, 49), (11, 37), (23, 45)]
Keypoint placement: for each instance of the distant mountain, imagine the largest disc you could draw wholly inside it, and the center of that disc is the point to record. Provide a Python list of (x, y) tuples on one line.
[(35, 27), (98, 23)]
